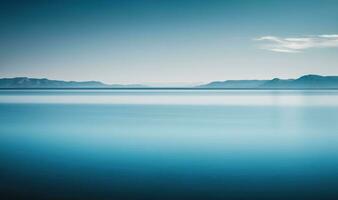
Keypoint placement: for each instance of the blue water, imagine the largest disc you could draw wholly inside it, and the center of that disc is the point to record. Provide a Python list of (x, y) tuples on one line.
[(168, 144)]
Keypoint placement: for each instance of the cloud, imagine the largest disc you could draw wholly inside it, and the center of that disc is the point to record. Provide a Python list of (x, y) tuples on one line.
[(297, 44)]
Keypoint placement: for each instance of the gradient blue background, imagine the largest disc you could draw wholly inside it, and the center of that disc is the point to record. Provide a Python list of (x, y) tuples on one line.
[(177, 41)]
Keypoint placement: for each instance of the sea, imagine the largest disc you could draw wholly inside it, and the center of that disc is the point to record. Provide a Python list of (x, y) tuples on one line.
[(168, 144)]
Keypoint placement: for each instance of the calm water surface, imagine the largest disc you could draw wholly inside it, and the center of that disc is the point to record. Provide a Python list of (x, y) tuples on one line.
[(168, 144)]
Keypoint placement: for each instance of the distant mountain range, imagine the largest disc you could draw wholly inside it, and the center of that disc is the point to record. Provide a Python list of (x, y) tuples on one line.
[(24, 82), (304, 82), (307, 81)]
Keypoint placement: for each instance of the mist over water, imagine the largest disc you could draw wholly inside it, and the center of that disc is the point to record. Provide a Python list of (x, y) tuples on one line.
[(168, 144)]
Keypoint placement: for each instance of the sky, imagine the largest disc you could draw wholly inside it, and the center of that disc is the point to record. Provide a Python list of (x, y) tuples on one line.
[(168, 41)]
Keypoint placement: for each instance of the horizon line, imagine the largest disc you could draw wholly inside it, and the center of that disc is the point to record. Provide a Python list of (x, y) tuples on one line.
[(145, 84)]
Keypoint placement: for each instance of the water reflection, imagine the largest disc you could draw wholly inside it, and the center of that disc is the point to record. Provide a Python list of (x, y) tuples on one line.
[(169, 97)]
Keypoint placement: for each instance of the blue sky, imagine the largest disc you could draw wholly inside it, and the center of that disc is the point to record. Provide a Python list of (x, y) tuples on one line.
[(183, 41)]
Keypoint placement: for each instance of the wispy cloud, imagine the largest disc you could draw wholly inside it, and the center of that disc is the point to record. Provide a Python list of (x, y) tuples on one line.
[(297, 44)]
